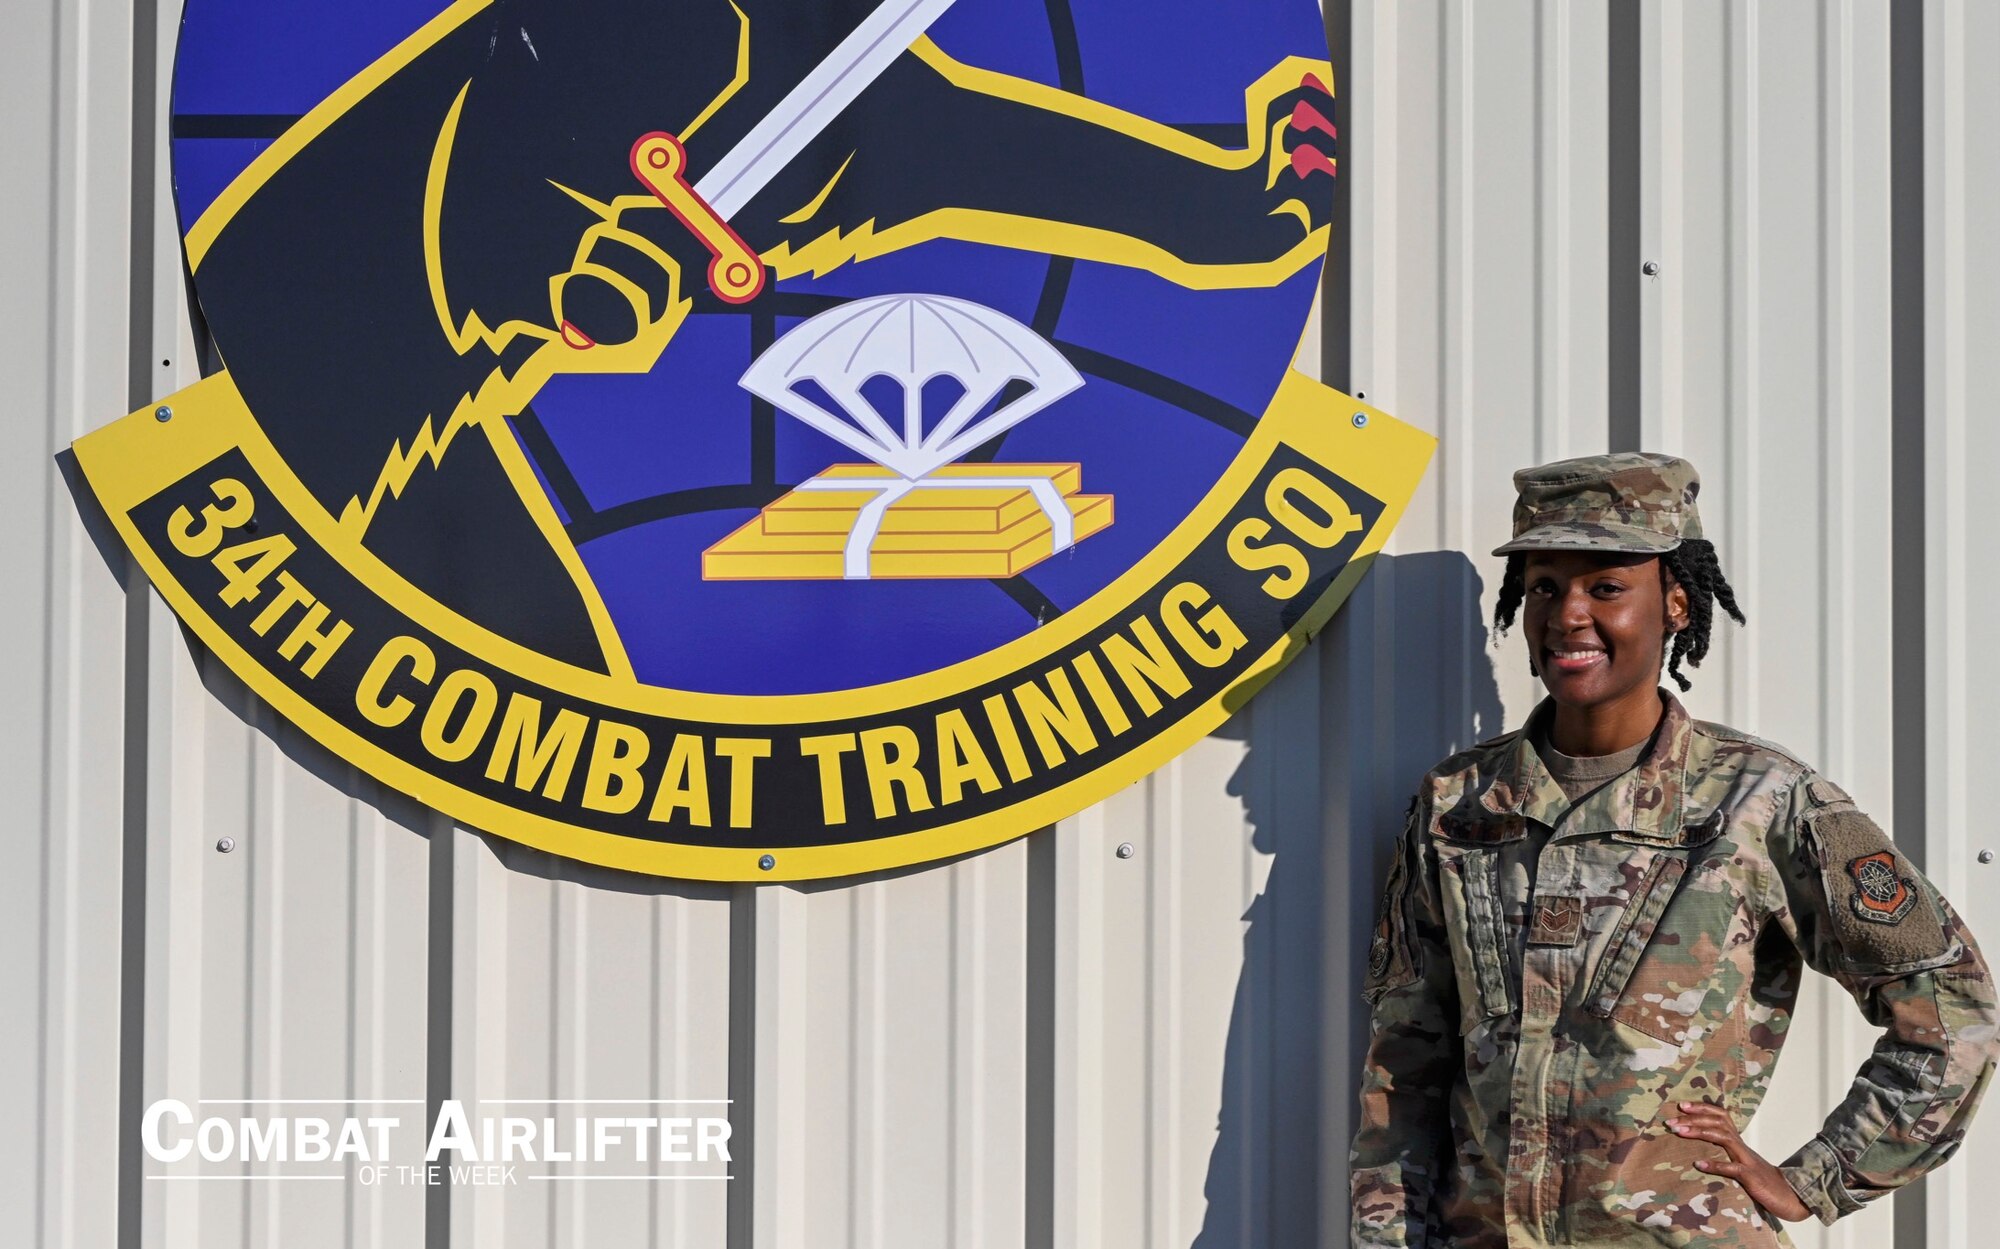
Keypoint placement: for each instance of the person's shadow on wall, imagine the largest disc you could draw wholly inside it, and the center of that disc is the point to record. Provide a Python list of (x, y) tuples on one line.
[(1401, 677)]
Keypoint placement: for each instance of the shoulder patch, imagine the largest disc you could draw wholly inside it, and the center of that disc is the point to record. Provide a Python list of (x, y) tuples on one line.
[(1877, 904), (1392, 956), (1378, 950), (1882, 895)]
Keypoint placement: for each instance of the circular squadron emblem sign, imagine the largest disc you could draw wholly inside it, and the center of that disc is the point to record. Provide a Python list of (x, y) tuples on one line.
[(754, 439)]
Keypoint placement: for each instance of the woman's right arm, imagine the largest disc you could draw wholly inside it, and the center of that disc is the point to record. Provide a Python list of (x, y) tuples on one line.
[(1402, 1140)]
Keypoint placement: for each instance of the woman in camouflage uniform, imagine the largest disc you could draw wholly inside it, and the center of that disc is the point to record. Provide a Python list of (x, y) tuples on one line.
[(1594, 927)]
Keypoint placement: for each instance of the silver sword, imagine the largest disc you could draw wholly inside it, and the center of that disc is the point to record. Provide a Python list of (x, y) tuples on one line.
[(810, 107)]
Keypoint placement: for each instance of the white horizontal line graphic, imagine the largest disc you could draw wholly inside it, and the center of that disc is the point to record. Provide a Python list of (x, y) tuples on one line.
[(567, 1178), (605, 1101), (288, 1176), (309, 1101)]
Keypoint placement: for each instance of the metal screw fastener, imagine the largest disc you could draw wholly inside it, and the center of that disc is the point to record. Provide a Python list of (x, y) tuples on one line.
[(225, 845), (163, 413), (1125, 850), (1985, 856), (768, 862), (1651, 268), (1361, 420)]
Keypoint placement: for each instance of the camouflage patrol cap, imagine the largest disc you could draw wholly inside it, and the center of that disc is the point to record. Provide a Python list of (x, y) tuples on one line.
[(1636, 501)]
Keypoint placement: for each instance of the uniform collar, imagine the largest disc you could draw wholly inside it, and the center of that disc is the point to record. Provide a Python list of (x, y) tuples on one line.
[(1513, 786)]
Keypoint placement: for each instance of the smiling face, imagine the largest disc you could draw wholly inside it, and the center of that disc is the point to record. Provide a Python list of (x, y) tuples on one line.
[(1596, 628)]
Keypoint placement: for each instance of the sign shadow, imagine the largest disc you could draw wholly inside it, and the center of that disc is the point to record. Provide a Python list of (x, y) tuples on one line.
[(1402, 677)]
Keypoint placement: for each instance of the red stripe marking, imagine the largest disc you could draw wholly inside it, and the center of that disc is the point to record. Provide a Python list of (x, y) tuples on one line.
[(1306, 117), (1308, 160)]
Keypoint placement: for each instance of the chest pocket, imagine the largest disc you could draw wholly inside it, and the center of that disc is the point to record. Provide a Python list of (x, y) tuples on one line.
[(1476, 917), (1660, 961), (1633, 934)]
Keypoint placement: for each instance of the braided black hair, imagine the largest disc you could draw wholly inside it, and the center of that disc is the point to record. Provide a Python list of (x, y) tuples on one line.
[(1692, 565)]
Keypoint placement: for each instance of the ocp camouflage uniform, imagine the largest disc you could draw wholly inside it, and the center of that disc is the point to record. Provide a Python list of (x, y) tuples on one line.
[(1547, 981)]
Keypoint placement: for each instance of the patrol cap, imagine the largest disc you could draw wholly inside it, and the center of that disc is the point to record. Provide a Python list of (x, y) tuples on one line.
[(1637, 501)]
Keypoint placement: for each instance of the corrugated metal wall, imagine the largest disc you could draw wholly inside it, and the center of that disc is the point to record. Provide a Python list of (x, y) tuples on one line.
[(1047, 1044)]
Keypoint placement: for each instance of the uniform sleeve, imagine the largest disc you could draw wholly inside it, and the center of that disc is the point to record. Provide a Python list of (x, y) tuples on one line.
[(1403, 1138), (1861, 913)]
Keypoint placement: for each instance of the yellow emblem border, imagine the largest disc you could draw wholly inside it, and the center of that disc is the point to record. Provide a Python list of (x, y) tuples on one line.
[(132, 459)]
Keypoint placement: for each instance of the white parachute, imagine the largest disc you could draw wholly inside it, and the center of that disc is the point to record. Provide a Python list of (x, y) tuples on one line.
[(912, 339)]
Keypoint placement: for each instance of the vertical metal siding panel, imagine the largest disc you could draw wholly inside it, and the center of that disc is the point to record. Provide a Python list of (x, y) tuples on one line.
[(1113, 1045), (1409, 379), (1176, 835), (387, 1028), (224, 905), (1663, 131), (526, 1023), (842, 989), (988, 1087), (1855, 451), (1768, 364), (570, 983), (1461, 92), (1962, 512), (1371, 148), (1744, 370), (897, 975), (175, 746), (905, 1059), (938, 973), (1664, 140), (782, 1049), (863, 957), (292, 968), (1690, 232), (64, 283), (176, 858), (1503, 161), (690, 1049), (1202, 969), (1281, 900), (1572, 229), (484, 1046), (1082, 846)]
